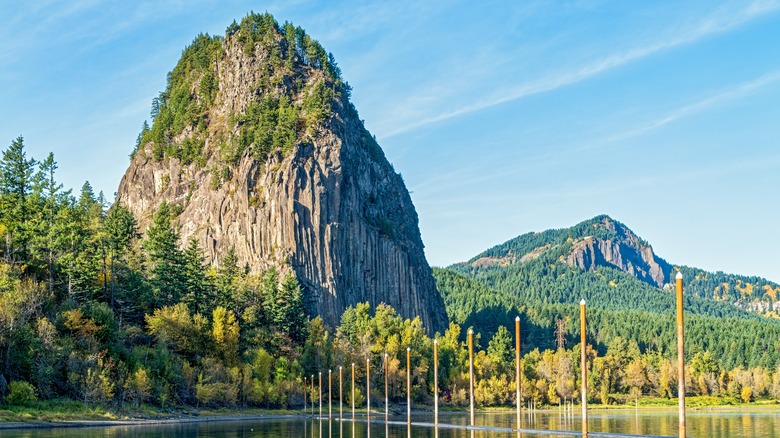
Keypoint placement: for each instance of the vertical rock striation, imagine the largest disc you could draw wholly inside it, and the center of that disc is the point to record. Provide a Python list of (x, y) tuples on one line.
[(331, 207)]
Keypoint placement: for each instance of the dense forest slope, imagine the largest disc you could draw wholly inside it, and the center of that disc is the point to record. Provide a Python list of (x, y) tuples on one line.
[(259, 153), (627, 287), (733, 336)]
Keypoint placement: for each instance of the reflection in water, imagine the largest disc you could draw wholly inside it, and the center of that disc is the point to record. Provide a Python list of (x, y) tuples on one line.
[(717, 424)]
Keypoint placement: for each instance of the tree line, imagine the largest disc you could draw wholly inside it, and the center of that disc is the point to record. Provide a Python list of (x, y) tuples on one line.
[(91, 310)]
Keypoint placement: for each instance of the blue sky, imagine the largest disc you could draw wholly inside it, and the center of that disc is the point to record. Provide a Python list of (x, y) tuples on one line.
[(503, 117)]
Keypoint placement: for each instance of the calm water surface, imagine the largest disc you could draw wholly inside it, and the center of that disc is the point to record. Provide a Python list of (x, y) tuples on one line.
[(725, 424)]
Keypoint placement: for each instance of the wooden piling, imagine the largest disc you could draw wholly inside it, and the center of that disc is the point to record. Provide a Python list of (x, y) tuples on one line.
[(517, 366), (408, 385), (320, 394), (436, 382), (387, 397), (584, 365), (680, 356), (471, 376)]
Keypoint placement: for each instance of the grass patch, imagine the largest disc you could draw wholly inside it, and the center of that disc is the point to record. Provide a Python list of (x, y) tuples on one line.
[(56, 410)]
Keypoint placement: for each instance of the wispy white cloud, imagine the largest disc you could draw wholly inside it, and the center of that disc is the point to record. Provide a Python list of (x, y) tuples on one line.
[(724, 97), (506, 168), (720, 21)]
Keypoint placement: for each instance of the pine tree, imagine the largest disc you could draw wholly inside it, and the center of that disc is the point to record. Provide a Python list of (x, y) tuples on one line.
[(289, 314), (16, 179), (270, 294), (166, 270), (120, 228), (77, 222), (500, 346), (227, 275), (196, 294), (50, 205)]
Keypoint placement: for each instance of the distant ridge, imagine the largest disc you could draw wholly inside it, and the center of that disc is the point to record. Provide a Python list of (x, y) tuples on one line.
[(597, 249), (601, 241)]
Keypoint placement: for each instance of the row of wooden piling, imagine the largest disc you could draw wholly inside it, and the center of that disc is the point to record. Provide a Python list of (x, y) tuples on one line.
[(518, 383)]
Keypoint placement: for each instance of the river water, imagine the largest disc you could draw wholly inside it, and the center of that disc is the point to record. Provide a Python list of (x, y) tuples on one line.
[(717, 423)]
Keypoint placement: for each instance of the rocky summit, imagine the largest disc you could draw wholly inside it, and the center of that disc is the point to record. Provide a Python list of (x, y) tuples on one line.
[(257, 148), (601, 241)]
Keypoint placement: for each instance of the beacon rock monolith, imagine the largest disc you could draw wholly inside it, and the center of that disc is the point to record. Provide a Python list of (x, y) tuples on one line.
[(257, 146)]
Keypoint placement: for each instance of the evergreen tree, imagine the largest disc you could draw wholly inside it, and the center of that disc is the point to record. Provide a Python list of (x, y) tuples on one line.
[(46, 235), (270, 294), (500, 346), (121, 229), (166, 270), (16, 180), (196, 293), (78, 226), (227, 276), (289, 315), (96, 242)]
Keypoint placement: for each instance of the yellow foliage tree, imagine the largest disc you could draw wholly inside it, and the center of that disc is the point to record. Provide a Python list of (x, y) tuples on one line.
[(225, 332)]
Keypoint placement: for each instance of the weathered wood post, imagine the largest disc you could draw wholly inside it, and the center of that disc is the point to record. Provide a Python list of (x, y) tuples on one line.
[(408, 385), (305, 388), (320, 394), (584, 365), (680, 355), (517, 366), (341, 400), (353, 393), (312, 395), (471, 375), (368, 391), (330, 394), (436, 382), (387, 397)]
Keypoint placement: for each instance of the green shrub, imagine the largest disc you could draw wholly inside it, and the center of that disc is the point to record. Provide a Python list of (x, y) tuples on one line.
[(21, 393)]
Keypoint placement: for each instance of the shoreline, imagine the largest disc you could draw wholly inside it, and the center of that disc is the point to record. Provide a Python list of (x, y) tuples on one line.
[(67, 424), (251, 416)]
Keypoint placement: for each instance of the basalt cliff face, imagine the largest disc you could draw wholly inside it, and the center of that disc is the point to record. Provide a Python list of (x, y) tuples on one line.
[(256, 145)]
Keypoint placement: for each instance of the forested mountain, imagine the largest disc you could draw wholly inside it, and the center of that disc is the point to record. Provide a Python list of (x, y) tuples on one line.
[(627, 287), (604, 262)]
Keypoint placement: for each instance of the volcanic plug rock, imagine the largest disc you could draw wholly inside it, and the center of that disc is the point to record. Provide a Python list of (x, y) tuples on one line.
[(257, 146)]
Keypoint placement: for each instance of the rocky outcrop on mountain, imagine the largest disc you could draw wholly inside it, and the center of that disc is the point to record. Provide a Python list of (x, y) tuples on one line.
[(274, 162), (601, 241), (630, 257), (615, 245)]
